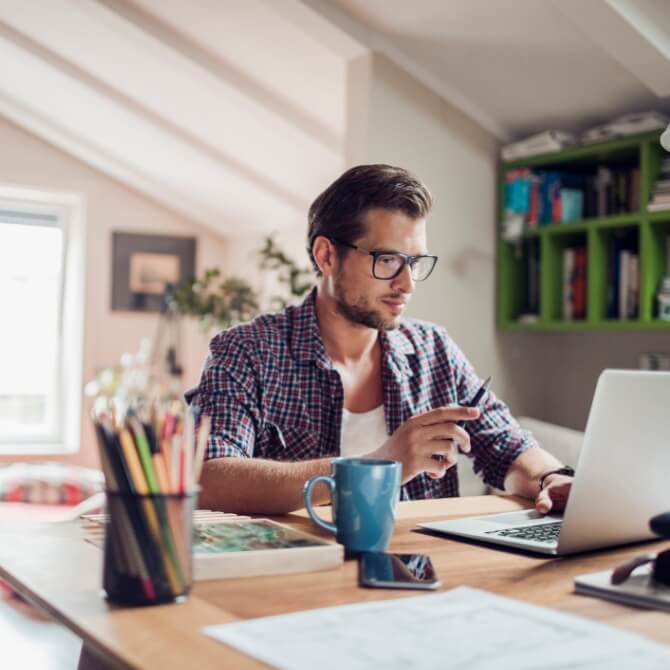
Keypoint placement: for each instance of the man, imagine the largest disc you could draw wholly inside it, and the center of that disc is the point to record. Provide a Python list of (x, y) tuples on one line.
[(344, 374)]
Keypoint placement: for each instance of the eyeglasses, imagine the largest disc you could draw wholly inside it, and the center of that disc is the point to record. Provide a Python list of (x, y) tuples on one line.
[(386, 265)]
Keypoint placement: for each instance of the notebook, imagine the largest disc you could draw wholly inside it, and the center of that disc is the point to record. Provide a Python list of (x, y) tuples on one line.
[(638, 590), (227, 545)]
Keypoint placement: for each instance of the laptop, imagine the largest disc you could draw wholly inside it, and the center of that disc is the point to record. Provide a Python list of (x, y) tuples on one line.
[(622, 479)]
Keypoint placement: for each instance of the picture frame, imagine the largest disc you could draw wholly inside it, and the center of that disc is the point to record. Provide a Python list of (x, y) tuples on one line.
[(145, 266)]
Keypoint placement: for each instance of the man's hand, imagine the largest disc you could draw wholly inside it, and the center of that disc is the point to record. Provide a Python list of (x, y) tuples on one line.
[(554, 495), (424, 435)]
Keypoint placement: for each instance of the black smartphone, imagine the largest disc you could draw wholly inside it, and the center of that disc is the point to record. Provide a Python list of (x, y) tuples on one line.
[(397, 571)]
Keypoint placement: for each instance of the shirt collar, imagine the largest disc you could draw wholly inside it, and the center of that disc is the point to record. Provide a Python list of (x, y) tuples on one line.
[(307, 344), (397, 346)]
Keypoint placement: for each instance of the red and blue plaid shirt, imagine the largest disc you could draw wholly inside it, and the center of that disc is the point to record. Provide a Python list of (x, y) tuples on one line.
[(272, 392)]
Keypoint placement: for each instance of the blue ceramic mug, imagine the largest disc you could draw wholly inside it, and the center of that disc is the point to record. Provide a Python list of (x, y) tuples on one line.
[(365, 493)]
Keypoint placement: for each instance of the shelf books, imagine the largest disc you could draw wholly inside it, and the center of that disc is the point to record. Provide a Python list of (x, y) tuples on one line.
[(530, 308), (623, 281), (227, 545), (623, 287), (661, 198), (540, 197), (574, 283)]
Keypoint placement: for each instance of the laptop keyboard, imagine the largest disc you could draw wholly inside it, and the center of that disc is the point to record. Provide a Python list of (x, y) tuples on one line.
[(546, 533)]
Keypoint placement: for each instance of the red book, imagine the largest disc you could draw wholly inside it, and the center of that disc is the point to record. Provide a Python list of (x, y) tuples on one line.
[(534, 207), (580, 283)]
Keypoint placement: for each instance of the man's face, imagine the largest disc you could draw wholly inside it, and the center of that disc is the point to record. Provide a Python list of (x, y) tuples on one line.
[(379, 303)]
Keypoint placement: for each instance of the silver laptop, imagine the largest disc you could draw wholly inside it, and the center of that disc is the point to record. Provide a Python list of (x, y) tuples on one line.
[(622, 480)]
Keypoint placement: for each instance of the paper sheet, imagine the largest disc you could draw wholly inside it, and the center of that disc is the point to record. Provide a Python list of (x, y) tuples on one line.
[(463, 629)]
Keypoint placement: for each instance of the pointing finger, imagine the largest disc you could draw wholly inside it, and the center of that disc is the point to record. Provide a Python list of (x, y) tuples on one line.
[(448, 414)]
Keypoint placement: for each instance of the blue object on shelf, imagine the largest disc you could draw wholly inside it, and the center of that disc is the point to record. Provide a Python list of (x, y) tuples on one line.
[(572, 205)]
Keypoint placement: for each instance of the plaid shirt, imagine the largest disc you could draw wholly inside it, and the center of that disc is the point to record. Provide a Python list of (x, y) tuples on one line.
[(272, 392)]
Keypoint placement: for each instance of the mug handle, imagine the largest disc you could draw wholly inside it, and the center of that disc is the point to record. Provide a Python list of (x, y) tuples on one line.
[(307, 494)]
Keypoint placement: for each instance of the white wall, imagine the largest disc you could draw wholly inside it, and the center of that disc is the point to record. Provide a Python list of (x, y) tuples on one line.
[(409, 126), (555, 374), (110, 206)]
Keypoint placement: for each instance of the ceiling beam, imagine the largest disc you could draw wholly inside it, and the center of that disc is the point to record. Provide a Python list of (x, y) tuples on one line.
[(114, 138), (175, 92), (291, 111)]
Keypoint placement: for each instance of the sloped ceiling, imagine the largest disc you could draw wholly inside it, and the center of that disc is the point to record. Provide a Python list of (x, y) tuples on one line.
[(233, 112), (227, 111), (521, 66)]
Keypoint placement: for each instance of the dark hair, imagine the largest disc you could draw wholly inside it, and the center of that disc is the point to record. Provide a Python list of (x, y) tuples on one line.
[(340, 210)]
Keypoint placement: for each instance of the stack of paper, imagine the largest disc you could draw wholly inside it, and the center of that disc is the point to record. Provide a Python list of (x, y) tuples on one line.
[(541, 143), (464, 629)]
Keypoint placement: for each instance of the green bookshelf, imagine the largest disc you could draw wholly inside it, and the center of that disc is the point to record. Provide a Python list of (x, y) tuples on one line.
[(646, 232)]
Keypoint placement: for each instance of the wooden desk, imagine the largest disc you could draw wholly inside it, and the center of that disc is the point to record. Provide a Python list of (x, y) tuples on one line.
[(55, 569)]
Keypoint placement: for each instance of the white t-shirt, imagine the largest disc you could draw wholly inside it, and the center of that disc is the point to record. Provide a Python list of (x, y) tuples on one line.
[(362, 433)]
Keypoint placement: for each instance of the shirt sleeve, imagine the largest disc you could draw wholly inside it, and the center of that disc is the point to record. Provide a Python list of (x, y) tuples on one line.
[(228, 393), (496, 438)]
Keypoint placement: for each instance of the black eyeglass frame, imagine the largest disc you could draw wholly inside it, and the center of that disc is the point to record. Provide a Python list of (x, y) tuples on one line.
[(408, 260)]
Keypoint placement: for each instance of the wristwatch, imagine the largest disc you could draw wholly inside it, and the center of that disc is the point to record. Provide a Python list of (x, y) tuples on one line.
[(565, 470)]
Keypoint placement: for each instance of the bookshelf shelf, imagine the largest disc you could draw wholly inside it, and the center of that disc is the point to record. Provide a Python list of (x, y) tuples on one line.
[(659, 217), (531, 271), (602, 152), (586, 326), (616, 221)]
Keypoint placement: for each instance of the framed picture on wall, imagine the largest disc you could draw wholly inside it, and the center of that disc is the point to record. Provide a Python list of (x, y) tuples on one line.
[(144, 267)]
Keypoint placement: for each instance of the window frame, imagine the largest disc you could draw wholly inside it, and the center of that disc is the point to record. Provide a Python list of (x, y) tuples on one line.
[(68, 211)]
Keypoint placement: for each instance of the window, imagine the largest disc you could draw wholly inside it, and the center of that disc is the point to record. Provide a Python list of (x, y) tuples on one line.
[(41, 317)]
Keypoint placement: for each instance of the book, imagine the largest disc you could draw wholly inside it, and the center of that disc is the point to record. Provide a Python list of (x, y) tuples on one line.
[(572, 205), (579, 284), (517, 203), (634, 192), (613, 276), (226, 546), (660, 199), (624, 283), (634, 286), (603, 184), (533, 290), (568, 283), (574, 283), (638, 590), (259, 547)]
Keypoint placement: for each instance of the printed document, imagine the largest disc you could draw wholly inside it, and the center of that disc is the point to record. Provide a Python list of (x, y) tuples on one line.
[(463, 629)]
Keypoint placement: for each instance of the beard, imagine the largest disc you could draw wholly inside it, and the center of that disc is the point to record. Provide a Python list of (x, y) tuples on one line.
[(360, 312)]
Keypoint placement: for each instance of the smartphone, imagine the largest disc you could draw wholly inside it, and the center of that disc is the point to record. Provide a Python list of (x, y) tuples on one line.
[(397, 571)]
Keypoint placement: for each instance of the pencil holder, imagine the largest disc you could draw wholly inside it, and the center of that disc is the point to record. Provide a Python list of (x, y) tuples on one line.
[(148, 548)]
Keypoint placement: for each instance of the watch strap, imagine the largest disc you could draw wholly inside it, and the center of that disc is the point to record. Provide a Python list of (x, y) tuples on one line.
[(565, 470)]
